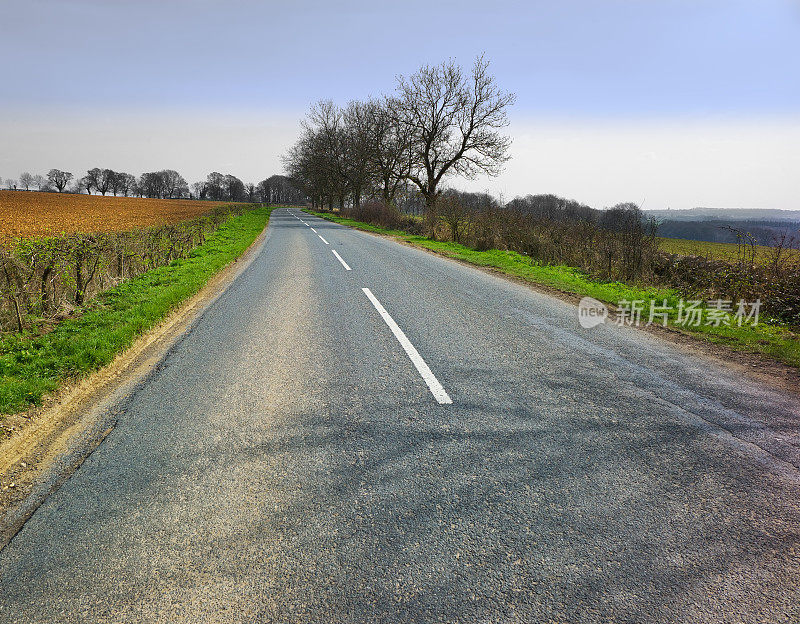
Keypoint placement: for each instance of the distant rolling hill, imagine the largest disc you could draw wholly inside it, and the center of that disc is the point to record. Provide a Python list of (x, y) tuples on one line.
[(722, 225), (727, 214)]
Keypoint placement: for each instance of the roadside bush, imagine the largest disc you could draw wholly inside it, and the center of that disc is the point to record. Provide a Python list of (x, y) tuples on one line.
[(383, 215), (614, 245), (43, 280)]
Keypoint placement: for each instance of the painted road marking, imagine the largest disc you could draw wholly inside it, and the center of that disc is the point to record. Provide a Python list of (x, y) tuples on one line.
[(313, 230), (435, 387), (340, 259), (323, 240)]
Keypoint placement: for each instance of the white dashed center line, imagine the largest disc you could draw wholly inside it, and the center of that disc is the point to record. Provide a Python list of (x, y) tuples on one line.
[(435, 387), (340, 259), (323, 240)]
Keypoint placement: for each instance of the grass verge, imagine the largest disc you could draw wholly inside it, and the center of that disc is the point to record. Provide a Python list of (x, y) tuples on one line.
[(30, 366), (772, 340)]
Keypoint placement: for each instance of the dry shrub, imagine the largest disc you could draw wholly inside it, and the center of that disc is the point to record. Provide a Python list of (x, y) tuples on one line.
[(618, 244), (383, 215), (45, 278)]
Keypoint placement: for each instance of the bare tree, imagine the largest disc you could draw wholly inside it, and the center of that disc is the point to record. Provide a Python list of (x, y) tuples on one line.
[(173, 183), (279, 189), (215, 186), (358, 148), (151, 184), (391, 156), (310, 167), (59, 179), (26, 180), (325, 140), (454, 122), (101, 179), (199, 190), (122, 183), (86, 183), (234, 188), (38, 181)]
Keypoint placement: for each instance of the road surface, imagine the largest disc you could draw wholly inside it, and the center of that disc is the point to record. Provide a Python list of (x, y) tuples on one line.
[(384, 435)]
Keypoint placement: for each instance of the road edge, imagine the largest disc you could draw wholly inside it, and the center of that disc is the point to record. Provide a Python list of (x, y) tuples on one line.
[(44, 455), (759, 367)]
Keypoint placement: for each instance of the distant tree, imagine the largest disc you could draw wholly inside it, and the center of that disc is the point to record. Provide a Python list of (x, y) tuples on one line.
[(634, 236), (38, 181), (454, 213), (101, 179), (215, 186), (173, 184), (122, 183), (262, 188), (90, 180), (234, 189), (59, 179), (86, 183), (151, 184), (199, 190), (325, 141), (453, 122), (311, 166), (26, 180), (105, 180), (279, 189), (11, 184), (553, 208)]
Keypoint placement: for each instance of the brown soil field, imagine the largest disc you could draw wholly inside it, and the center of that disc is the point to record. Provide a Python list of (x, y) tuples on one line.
[(31, 214)]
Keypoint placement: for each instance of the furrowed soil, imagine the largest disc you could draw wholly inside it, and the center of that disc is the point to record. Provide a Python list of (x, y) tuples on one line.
[(25, 214)]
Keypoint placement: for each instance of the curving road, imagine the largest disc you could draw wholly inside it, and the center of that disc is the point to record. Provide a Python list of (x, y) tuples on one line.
[(444, 446)]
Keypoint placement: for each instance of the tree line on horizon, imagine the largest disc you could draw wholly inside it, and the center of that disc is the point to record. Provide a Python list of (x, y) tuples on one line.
[(164, 184), (386, 160), (440, 122)]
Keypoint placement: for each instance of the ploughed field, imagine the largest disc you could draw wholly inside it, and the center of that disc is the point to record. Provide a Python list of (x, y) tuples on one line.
[(27, 214)]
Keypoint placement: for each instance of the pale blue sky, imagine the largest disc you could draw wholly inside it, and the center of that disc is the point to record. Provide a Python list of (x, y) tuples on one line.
[(649, 87)]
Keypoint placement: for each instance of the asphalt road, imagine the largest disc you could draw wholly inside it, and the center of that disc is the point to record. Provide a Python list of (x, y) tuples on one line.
[(463, 451)]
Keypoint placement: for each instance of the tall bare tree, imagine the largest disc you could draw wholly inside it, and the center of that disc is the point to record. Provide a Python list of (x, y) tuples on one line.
[(325, 132), (26, 180), (358, 148), (308, 166), (454, 121), (391, 154)]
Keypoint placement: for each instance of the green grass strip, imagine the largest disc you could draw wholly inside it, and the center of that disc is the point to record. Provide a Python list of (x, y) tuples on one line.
[(33, 366), (773, 340)]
